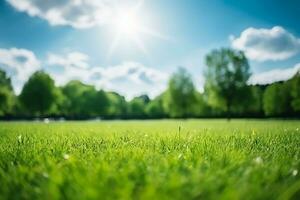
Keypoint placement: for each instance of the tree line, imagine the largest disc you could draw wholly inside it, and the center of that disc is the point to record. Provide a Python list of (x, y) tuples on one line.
[(226, 94)]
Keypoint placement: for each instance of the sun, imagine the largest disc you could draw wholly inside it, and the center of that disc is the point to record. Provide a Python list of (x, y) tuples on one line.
[(128, 25)]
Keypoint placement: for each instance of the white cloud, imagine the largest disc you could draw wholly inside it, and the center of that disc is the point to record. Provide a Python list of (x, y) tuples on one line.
[(73, 59), (19, 65), (128, 78), (75, 13), (274, 75), (267, 44), (133, 79), (72, 66)]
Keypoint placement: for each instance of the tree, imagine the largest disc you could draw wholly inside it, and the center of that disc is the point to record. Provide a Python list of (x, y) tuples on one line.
[(73, 91), (84, 100), (180, 97), (255, 102), (201, 109), (95, 103), (38, 94), (295, 89), (145, 98), (7, 97), (117, 105), (226, 79), (277, 98), (4, 80), (60, 104), (136, 107), (155, 109)]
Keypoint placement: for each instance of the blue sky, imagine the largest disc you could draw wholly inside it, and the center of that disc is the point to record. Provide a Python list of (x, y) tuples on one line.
[(74, 40)]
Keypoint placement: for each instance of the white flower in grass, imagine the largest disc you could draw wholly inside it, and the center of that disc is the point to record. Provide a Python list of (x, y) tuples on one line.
[(258, 160), (66, 156), (297, 129), (294, 172)]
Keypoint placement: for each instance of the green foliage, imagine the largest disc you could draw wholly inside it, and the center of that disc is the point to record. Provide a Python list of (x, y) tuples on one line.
[(296, 93), (61, 103), (4, 80), (95, 103), (225, 90), (7, 97), (74, 92), (7, 100), (84, 100), (38, 94), (253, 103), (155, 108), (226, 79), (117, 105), (180, 97), (204, 159), (277, 98), (136, 107), (201, 107)]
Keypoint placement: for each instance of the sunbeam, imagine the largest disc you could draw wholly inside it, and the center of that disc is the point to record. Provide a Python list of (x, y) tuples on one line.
[(128, 25)]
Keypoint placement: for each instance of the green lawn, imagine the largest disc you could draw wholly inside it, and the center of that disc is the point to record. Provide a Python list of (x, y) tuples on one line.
[(194, 159)]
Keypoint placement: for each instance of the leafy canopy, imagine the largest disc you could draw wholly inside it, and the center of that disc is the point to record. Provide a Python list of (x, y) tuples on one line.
[(38, 94), (226, 78), (180, 97)]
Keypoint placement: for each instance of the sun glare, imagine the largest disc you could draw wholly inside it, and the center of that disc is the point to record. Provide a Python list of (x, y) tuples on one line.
[(127, 24)]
